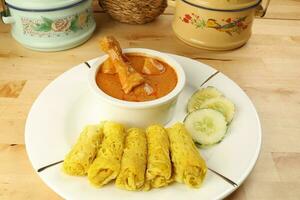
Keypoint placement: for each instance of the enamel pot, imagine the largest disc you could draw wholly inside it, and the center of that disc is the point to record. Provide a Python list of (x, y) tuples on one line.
[(49, 25), (215, 25)]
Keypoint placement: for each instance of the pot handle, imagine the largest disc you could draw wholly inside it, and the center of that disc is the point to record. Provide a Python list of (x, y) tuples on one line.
[(4, 14), (260, 11), (172, 3), (8, 20)]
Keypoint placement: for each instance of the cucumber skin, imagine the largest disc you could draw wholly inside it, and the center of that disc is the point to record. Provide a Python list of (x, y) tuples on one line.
[(206, 146)]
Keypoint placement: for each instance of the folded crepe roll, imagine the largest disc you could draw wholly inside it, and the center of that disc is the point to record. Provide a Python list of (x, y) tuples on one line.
[(107, 164), (83, 153), (159, 168), (189, 166), (134, 160)]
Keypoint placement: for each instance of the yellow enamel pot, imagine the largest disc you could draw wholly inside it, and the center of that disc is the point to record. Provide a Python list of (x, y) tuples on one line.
[(217, 24)]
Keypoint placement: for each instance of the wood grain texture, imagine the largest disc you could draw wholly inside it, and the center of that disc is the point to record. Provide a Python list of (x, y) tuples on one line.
[(11, 89), (284, 9), (267, 68), (17, 179)]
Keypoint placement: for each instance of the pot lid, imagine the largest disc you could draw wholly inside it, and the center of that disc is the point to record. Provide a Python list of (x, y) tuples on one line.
[(40, 5), (223, 4)]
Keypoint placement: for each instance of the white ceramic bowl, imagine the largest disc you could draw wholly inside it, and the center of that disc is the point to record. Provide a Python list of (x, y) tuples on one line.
[(139, 114)]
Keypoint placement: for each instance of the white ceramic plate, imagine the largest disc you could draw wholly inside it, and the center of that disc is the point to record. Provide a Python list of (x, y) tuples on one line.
[(67, 105)]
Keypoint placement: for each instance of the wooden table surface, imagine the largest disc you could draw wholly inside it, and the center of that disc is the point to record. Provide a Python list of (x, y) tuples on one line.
[(267, 68)]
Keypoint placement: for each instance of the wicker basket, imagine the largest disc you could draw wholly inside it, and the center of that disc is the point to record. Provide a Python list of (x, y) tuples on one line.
[(134, 11)]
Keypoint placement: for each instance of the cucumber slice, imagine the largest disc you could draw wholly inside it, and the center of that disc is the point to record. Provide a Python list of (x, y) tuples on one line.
[(222, 105), (207, 126), (200, 96)]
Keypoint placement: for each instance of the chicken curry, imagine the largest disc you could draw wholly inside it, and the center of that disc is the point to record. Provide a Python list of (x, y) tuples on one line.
[(133, 77)]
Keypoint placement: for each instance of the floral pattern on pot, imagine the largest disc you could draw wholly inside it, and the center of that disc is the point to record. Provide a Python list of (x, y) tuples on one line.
[(228, 25), (46, 27)]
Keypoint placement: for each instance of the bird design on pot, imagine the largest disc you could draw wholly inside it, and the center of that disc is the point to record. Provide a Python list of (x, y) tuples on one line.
[(228, 25)]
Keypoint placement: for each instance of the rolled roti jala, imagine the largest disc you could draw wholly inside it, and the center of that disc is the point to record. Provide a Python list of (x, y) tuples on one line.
[(159, 168), (189, 166), (83, 153), (107, 164), (134, 160)]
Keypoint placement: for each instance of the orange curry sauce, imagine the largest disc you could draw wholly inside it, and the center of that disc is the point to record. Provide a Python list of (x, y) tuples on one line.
[(162, 83)]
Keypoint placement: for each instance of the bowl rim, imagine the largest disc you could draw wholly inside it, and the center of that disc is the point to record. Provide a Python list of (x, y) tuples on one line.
[(181, 79)]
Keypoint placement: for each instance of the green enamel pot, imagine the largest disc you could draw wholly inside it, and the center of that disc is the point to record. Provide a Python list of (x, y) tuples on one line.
[(49, 26)]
